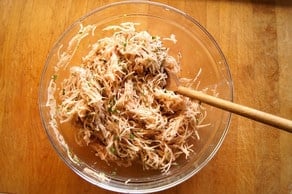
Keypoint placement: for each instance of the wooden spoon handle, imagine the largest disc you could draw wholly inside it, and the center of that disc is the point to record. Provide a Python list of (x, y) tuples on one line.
[(248, 112)]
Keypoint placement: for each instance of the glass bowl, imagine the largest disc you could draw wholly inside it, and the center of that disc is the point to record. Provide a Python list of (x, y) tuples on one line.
[(199, 52)]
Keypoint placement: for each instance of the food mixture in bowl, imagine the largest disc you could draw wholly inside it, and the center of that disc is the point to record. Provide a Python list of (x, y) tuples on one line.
[(117, 101)]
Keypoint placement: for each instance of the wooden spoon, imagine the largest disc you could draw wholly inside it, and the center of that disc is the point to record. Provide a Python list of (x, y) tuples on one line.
[(263, 117)]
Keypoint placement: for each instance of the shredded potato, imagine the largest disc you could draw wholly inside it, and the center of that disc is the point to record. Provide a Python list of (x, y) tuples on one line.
[(118, 100)]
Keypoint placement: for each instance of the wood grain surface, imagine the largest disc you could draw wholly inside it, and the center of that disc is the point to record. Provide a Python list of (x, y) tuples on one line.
[(256, 38)]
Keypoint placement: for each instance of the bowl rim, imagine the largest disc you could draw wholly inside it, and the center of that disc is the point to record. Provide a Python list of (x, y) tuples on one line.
[(99, 183)]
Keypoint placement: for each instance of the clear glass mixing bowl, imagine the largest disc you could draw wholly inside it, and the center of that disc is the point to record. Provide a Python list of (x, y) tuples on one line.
[(198, 49)]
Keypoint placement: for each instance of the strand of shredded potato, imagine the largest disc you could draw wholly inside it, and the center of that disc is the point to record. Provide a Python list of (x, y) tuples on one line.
[(118, 100)]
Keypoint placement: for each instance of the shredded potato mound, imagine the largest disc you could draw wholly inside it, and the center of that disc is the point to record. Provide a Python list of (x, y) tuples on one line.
[(118, 101)]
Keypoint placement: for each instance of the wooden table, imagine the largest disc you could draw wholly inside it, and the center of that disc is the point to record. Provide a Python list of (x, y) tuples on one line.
[(256, 38)]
